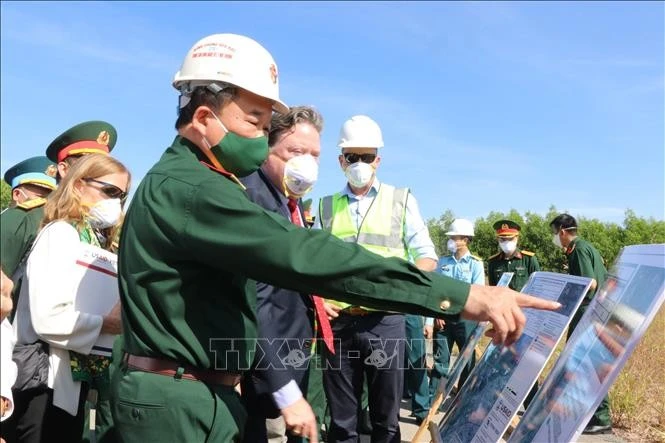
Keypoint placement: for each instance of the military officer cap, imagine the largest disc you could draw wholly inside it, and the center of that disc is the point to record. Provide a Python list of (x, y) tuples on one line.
[(93, 137), (38, 171), (506, 228)]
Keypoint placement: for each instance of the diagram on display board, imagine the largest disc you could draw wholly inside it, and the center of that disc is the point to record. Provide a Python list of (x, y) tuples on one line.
[(501, 380), (447, 383), (606, 336)]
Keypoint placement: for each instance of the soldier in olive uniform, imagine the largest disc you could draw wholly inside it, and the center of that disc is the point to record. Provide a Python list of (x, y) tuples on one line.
[(583, 260), (20, 224), (31, 180), (193, 243), (511, 258)]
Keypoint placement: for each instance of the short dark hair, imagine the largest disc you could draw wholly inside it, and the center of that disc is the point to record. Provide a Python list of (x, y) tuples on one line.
[(564, 221), (281, 123), (213, 96)]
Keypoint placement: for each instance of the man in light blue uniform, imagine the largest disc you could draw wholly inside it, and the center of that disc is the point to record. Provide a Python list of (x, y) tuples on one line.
[(460, 265), (369, 343)]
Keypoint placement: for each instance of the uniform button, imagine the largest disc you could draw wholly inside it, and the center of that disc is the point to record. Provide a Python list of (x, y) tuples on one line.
[(136, 413), (445, 305)]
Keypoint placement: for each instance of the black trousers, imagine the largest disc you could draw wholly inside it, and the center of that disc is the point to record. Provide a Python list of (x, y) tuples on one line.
[(36, 420), (372, 347)]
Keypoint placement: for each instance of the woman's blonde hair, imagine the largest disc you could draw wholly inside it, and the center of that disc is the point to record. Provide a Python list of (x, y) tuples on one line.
[(65, 202)]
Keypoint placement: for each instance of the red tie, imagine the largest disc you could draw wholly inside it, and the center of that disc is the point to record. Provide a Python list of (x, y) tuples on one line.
[(321, 316)]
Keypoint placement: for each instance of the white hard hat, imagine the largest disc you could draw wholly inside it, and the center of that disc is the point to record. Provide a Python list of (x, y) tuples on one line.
[(461, 226), (232, 59), (360, 131)]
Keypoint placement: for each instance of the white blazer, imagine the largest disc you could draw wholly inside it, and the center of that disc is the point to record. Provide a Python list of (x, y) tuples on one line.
[(7, 366), (46, 309)]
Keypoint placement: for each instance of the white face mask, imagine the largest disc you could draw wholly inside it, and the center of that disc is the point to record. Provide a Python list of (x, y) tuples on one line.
[(508, 247), (105, 213), (451, 245), (557, 241), (359, 174), (300, 175)]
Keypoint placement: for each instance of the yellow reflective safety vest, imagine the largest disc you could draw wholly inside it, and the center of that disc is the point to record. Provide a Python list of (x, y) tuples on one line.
[(382, 229)]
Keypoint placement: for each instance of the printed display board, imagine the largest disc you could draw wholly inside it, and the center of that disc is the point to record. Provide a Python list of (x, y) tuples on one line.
[(502, 378), (96, 279), (605, 338), (447, 383)]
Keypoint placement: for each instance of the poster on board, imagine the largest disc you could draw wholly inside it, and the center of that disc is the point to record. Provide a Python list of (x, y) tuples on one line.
[(503, 377), (604, 339), (448, 383), (96, 278)]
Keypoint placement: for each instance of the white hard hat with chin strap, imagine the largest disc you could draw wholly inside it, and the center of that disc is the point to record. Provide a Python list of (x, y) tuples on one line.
[(229, 59)]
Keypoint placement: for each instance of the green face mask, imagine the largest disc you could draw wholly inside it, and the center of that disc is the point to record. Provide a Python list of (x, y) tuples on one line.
[(240, 155)]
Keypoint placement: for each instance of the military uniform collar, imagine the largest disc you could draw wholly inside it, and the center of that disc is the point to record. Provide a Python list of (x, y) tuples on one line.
[(517, 255), (200, 156), (571, 246), (373, 190), (466, 257)]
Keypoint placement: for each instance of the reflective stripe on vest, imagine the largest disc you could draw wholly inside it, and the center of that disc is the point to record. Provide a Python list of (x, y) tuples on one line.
[(382, 228)]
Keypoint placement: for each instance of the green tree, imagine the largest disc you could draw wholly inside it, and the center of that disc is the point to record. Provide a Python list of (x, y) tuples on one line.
[(5, 195)]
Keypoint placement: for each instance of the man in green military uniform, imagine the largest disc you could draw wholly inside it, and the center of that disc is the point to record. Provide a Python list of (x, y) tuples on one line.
[(31, 180), (193, 244), (583, 260), (510, 258)]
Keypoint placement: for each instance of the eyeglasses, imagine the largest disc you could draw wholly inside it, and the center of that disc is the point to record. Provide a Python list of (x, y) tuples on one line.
[(355, 158), (111, 191)]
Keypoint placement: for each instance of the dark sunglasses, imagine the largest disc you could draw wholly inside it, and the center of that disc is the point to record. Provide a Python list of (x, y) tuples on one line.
[(355, 158), (111, 191)]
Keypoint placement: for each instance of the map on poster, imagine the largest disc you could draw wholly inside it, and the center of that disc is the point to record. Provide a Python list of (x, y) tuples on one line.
[(96, 279), (606, 336), (501, 380), (447, 383)]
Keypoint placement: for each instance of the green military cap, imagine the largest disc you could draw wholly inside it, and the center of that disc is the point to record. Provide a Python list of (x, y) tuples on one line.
[(506, 228), (85, 138), (39, 171)]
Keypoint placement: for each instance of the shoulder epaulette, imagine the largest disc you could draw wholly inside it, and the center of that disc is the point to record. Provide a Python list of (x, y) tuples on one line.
[(32, 204), (495, 255), (529, 253), (475, 257)]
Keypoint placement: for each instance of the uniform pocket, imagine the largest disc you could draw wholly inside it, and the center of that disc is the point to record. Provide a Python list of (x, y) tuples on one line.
[(145, 422)]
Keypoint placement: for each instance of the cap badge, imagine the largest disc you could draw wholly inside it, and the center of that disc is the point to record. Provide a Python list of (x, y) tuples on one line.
[(51, 171), (103, 138)]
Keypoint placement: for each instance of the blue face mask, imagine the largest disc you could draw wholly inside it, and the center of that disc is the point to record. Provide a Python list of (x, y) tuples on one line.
[(239, 155)]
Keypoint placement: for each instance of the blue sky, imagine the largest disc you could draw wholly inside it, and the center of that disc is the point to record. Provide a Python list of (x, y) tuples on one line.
[(483, 106)]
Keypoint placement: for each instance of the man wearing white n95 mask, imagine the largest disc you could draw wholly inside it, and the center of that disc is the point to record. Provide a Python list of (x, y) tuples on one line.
[(276, 387), (385, 220)]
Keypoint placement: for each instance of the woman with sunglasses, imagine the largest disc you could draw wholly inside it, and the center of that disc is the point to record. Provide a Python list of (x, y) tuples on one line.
[(86, 209)]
